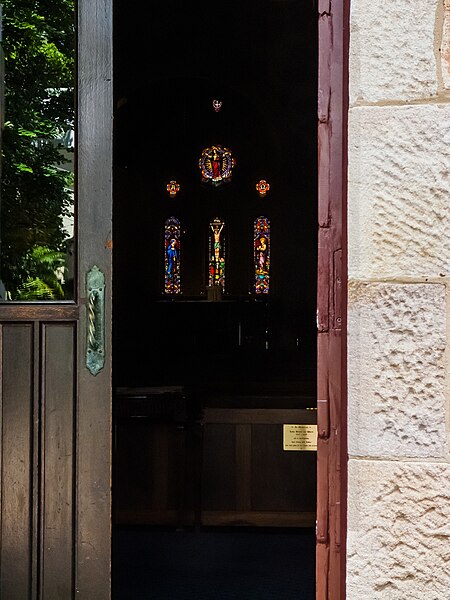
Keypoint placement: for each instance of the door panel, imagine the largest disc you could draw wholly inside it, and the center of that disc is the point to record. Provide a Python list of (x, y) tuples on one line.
[(38, 501), (17, 452), (57, 451)]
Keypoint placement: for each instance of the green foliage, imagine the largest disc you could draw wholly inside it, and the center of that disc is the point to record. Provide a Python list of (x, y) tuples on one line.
[(39, 59), (47, 266)]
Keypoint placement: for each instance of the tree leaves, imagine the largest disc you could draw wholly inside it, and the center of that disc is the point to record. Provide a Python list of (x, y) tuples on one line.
[(36, 194), (47, 267)]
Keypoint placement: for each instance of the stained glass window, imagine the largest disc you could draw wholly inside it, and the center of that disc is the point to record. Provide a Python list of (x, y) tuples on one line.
[(172, 278), (216, 251), (173, 187), (262, 187), (216, 164), (261, 246)]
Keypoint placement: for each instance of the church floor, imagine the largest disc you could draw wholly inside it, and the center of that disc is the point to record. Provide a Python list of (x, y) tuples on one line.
[(213, 564)]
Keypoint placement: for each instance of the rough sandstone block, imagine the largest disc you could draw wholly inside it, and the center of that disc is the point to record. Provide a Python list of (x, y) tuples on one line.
[(396, 370), (398, 531), (392, 50), (399, 190)]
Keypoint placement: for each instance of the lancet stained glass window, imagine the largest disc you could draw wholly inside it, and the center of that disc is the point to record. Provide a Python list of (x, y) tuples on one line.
[(216, 251), (172, 278), (261, 246)]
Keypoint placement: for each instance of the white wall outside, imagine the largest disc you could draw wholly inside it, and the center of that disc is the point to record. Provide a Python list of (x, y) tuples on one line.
[(399, 301)]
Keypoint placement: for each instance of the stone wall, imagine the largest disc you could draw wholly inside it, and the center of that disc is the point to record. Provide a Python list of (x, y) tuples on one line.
[(399, 301)]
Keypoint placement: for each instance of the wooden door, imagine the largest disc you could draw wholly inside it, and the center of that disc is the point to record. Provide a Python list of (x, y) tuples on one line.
[(55, 414)]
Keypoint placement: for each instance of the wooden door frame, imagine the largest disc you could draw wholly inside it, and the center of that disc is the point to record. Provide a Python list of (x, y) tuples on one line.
[(333, 17), (95, 193)]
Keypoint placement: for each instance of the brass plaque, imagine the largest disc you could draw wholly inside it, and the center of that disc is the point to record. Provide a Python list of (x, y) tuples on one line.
[(299, 437)]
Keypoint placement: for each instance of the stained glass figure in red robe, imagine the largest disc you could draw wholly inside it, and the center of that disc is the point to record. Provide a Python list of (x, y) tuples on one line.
[(216, 164)]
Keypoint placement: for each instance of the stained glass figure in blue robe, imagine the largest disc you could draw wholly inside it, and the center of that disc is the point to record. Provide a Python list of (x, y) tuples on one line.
[(172, 277)]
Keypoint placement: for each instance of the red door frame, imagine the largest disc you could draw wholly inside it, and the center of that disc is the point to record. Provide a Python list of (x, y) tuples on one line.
[(332, 299)]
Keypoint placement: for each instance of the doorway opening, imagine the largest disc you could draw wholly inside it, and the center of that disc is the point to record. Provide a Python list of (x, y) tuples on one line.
[(215, 270)]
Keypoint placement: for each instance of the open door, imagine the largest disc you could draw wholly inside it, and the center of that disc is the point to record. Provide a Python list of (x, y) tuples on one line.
[(215, 230), (55, 367)]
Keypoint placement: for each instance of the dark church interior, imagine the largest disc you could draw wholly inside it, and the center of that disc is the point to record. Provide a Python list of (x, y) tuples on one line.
[(207, 502)]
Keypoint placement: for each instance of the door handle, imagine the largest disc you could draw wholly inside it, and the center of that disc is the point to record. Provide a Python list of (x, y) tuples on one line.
[(95, 344)]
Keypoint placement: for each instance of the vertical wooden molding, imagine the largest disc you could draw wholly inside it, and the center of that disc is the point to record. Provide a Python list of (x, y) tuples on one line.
[(1, 437), (333, 28), (18, 532), (37, 451), (323, 394), (323, 278), (57, 459)]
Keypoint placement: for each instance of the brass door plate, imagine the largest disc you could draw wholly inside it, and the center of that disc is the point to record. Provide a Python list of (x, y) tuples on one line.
[(299, 437)]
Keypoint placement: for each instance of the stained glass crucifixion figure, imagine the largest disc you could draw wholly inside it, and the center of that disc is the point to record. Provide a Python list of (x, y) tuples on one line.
[(172, 277), (261, 245), (216, 251)]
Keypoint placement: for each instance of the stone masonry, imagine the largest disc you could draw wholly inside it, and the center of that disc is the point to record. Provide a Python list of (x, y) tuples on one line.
[(399, 301)]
